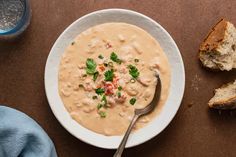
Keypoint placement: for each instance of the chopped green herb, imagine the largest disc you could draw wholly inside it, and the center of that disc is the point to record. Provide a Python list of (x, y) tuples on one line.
[(104, 100), (99, 106), (132, 101), (95, 97), (136, 60), (95, 76), (119, 88), (109, 74), (115, 58), (133, 71), (99, 91), (91, 66), (102, 114), (100, 57), (119, 94), (132, 80)]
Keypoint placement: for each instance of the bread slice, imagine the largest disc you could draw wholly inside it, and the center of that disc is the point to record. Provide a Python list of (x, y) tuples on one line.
[(218, 50), (225, 97)]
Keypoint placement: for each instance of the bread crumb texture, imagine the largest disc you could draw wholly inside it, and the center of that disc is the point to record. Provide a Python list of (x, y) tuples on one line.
[(218, 50), (225, 97)]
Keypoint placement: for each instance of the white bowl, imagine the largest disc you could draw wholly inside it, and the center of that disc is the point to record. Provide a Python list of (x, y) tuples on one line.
[(176, 88)]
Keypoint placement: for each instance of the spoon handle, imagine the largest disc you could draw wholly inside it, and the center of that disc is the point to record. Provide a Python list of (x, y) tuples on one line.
[(125, 138)]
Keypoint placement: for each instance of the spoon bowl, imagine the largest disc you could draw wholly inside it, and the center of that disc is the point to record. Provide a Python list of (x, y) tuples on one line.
[(149, 108), (138, 113)]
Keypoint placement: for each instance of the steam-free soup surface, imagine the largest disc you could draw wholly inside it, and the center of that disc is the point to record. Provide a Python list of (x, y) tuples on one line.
[(107, 72)]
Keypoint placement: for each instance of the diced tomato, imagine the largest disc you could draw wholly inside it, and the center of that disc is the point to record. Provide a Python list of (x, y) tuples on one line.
[(102, 68), (115, 82), (109, 88), (99, 86)]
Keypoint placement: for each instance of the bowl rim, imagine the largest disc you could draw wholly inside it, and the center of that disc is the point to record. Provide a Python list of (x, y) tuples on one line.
[(84, 135)]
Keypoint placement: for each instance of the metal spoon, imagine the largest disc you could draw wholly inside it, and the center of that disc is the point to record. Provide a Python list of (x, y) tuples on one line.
[(138, 113)]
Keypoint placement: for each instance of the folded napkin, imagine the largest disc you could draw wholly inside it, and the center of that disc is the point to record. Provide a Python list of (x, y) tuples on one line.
[(21, 136)]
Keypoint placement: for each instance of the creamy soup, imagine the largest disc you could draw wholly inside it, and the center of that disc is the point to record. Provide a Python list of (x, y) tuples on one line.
[(107, 72)]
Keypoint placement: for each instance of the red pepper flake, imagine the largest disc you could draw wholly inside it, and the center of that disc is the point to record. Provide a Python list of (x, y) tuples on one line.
[(108, 45)]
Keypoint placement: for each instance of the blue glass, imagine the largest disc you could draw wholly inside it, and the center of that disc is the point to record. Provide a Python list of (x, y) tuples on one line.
[(19, 24)]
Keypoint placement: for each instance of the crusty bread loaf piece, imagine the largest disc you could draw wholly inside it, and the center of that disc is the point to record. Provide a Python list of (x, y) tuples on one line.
[(225, 97), (218, 50)]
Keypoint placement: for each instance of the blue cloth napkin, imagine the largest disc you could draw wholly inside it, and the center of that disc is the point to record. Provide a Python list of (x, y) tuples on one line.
[(21, 136)]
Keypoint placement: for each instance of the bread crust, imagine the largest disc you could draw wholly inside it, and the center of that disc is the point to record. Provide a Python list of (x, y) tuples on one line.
[(205, 46), (217, 51), (208, 68), (224, 104)]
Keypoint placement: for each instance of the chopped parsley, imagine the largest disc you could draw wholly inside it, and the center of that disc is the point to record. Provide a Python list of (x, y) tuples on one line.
[(90, 66), (109, 74), (103, 103), (119, 88), (100, 91), (99, 106), (133, 71), (102, 114), (132, 101), (95, 76), (136, 60), (115, 58), (95, 97), (119, 94), (100, 57), (104, 100)]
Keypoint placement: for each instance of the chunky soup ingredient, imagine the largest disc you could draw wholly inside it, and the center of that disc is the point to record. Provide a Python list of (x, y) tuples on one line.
[(110, 71)]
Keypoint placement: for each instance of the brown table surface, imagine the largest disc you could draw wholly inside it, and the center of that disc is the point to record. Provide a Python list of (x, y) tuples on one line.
[(195, 131)]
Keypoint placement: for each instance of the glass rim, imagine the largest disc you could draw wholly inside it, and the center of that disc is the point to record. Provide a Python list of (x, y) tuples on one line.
[(21, 23)]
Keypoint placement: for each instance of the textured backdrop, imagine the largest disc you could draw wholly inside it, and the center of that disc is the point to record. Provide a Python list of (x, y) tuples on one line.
[(196, 131)]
